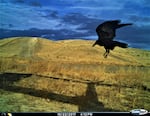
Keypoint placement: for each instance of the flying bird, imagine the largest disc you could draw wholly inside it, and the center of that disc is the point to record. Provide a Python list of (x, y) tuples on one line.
[(106, 33)]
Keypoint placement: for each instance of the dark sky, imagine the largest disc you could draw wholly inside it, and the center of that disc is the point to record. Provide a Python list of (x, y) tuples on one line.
[(75, 19)]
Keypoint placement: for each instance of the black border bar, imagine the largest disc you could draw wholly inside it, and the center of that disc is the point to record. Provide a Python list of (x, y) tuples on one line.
[(74, 114)]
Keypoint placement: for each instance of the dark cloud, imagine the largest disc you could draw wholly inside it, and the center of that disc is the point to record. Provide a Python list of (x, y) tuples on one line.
[(147, 3), (74, 18), (18, 1), (87, 24), (35, 4), (50, 14), (136, 18)]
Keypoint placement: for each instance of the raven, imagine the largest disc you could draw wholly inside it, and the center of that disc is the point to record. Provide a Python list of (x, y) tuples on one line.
[(106, 33)]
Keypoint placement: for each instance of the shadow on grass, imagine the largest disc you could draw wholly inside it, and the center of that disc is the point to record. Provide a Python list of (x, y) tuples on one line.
[(10, 78), (87, 102), (120, 58)]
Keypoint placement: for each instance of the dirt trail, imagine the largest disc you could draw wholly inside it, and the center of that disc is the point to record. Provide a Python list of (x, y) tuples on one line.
[(28, 49), (31, 46)]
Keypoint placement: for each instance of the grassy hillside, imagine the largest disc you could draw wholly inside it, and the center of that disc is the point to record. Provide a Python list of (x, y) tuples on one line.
[(71, 75)]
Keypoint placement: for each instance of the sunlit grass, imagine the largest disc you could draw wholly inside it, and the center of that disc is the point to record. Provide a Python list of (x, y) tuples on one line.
[(123, 77), (17, 102)]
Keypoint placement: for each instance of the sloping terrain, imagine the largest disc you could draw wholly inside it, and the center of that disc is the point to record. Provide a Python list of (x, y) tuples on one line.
[(72, 76), (70, 50), (41, 55)]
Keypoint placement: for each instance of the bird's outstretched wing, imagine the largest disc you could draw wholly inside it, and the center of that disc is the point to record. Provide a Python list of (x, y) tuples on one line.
[(107, 30)]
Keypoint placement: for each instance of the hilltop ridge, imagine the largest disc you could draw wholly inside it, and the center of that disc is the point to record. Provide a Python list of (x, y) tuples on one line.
[(70, 51)]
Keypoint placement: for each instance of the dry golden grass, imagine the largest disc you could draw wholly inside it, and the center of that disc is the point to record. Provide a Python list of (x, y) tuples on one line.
[(123, 76)]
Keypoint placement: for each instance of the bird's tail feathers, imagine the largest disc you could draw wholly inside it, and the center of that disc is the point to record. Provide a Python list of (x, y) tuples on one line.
[(120, 44)]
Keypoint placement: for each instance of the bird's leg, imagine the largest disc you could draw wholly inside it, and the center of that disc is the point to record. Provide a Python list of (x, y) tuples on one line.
[(106, 53)]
